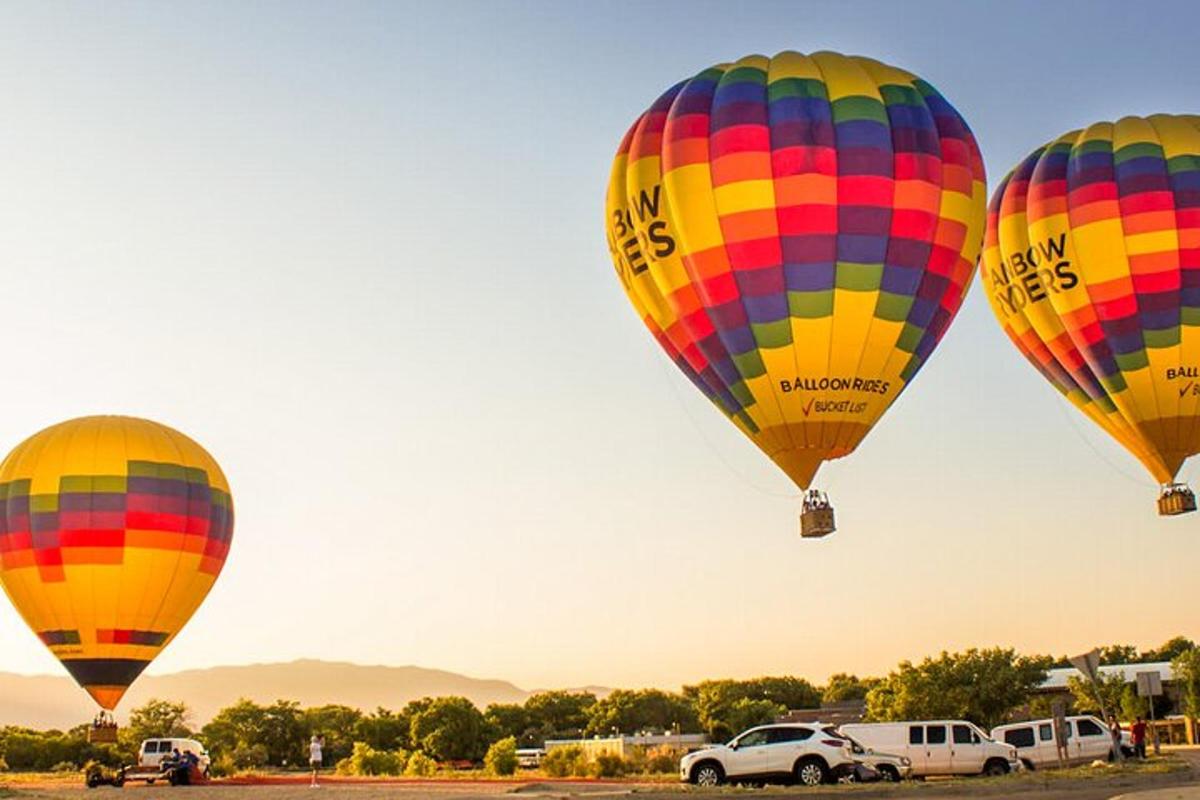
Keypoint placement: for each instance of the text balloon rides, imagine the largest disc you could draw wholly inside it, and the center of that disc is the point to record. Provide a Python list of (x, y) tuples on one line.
[(112, 532), (798, 232), (1092, 266)]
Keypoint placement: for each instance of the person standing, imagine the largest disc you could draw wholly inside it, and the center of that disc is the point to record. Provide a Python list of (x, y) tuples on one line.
[(1137, 732), (315, 746)]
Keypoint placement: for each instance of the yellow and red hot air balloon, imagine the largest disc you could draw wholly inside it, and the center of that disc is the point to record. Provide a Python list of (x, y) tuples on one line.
[(113, 531), (1092, 267), (798, 232)]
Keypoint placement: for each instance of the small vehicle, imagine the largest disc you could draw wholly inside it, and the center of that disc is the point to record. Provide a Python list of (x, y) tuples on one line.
[(154, 751), (1087, 737), (890, 768), (787, 752), (937, 747), (530, 757)]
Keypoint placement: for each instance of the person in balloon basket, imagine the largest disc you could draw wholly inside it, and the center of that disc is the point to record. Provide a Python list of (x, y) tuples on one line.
[(314, 755)]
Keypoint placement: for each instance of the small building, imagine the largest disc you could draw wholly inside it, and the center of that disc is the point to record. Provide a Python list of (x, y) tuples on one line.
[(627, 745), (834, 714)]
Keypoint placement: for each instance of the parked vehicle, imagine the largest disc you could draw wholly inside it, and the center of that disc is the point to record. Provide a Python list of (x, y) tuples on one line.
[(938, 747), (891, 767), (1088, 739), (530, 757), (803, 753), (154, 751)]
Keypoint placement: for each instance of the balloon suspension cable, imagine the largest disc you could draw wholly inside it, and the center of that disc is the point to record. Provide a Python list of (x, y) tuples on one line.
[(670, 376), (1063, 406)]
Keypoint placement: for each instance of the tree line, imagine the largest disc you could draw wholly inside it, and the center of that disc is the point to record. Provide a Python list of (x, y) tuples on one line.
[(986, 686)]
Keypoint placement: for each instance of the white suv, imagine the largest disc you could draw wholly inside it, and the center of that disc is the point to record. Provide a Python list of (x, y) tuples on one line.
[(788, 752)]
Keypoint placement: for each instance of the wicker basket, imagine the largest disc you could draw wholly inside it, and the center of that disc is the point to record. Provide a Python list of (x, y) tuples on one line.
[(816, 522), (106, 734), (1177, 499)]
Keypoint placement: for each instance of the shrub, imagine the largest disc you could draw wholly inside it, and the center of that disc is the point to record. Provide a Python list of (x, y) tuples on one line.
[(608, 765), (663, 760), (3, 765), (501, 758), (563, 762), (249, 756), (366, 760), (64, 766), (420, 765)]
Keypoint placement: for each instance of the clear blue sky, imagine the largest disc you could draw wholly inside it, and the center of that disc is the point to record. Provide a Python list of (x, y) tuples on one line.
[(356, 250)]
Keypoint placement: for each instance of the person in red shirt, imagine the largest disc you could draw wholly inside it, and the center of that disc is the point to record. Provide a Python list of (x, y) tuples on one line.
[(1137, 732)]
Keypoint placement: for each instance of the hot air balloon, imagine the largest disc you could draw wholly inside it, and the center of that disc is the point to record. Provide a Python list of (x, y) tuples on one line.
[(798, 232), (113, 531), (1092, 266)]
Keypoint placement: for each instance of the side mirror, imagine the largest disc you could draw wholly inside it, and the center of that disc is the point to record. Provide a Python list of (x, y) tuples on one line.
[(733, 745)]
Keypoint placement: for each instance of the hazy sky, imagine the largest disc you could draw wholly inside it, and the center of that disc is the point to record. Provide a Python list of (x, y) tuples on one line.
[(357, 251)]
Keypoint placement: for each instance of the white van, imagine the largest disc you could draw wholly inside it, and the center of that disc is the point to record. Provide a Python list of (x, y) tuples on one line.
[(153, 751), (1087, 740), (938, 747)]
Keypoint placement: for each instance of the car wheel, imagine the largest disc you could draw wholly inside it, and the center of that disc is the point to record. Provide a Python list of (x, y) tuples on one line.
[(811, 772), (889, 773), (708, 774), (995, 768)]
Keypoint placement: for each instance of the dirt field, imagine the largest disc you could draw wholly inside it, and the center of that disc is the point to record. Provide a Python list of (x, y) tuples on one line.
[(1180, 773)]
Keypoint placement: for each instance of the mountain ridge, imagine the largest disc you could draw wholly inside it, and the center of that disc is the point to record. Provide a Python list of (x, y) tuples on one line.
[(52, 701)]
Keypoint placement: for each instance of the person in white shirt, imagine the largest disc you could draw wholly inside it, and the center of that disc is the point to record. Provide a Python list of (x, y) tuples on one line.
[(314, 755)]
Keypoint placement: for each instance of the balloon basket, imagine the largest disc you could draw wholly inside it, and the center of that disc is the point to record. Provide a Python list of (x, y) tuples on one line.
[(1176, 499), (106, 734), (816, 519)]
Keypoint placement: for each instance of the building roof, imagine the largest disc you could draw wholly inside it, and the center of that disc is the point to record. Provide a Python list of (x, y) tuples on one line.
[(1057, 678)]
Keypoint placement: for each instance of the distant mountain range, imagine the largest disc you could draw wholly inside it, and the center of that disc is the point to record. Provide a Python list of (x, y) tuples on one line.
[(44, 701)]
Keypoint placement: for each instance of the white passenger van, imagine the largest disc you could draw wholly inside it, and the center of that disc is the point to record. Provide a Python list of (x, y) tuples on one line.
[(1088, 739), (154, 751), (938, 747)]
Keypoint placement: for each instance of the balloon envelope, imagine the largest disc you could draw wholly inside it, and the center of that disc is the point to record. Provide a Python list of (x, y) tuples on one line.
[(1092, 267), (112, 532), (798, 232)]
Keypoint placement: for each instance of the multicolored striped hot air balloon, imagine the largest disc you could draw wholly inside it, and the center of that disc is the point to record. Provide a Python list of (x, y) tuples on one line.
[(798, 232), (112, 533), (1092, 267)]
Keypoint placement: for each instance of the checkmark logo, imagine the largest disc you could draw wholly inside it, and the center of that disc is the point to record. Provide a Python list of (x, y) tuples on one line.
[(808, 407), (1183, 392)]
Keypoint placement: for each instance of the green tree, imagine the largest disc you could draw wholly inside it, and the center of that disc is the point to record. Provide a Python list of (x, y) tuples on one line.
[(1170, 649), (159, 718), (630, 711), (1186, 668), (383, 730), (450, 729), (980, 685), (1110, 687), (843, 687), (746, 713), (338, 724), (559, 715), (278, 728), (714, 701), (1119, 654), (509, 719), (501, 758)]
